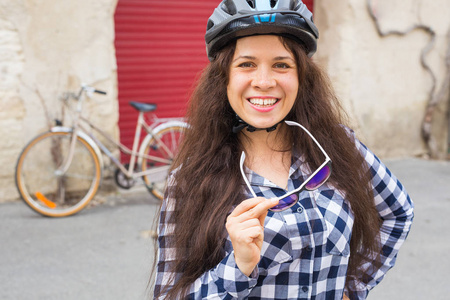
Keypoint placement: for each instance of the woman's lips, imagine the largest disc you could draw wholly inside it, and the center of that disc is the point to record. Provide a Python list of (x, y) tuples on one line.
[(263, 104)]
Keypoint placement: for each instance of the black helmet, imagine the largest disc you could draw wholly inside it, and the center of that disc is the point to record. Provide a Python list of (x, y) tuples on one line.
[(238, 18)]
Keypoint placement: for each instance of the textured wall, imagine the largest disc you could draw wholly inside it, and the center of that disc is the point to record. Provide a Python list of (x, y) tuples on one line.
[(379, 76), (47, 48)]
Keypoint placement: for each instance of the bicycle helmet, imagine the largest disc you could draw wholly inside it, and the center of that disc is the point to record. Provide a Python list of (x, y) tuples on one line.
[(239, 18)]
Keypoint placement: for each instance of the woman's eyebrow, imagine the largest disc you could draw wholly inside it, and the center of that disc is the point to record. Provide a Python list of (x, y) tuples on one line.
[(244, 57), (283, 58), (249, 57)]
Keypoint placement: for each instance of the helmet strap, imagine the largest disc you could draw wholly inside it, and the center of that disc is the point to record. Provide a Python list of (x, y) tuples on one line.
[(240, 124)]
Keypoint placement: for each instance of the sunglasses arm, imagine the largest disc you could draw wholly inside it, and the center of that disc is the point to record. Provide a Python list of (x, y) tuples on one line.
[(290, 123), (243, 174)]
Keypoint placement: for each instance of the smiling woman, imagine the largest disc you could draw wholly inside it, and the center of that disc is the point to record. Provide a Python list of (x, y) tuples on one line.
[(263, 80), (278, 223)]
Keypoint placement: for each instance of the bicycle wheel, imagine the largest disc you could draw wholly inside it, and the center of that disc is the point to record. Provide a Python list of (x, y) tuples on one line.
[(40, 182), (163, 145)]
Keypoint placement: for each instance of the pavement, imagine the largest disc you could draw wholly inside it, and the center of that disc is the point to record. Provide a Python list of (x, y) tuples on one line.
[(106, 252)]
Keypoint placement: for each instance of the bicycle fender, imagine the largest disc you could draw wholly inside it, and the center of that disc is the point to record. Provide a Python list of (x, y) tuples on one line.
[(85, 137), (156, 130), (170, 124)]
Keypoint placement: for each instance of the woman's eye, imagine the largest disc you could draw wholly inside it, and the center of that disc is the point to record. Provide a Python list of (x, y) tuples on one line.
[(245, 65), (282, 66)]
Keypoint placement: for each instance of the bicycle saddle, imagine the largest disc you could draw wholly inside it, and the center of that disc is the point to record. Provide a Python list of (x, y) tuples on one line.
[(143, 107)]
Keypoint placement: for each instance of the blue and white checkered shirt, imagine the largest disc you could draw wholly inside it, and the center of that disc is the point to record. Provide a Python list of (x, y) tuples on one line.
[(306, 249)]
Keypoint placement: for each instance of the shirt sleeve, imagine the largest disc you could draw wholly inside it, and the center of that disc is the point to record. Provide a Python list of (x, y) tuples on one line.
[(395, 209), (225, 281)]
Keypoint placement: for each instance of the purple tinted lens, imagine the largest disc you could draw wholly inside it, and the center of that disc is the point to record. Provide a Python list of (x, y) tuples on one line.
[(319, 178), (285, 202)]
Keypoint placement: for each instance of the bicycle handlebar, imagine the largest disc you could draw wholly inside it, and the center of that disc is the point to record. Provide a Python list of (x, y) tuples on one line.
[(100, 92), (89, 89)]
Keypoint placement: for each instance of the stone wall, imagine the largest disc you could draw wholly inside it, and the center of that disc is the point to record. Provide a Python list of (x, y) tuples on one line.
[(47, 48), (375, 65)]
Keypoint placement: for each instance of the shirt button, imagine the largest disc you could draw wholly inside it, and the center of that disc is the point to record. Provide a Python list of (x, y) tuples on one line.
[(300, 210), (305, 289)]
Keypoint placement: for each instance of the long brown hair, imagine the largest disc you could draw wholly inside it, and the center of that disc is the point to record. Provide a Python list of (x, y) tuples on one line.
[(208, 181)]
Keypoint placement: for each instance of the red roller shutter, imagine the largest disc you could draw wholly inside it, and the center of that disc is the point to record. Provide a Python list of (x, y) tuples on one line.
[(160, 51)]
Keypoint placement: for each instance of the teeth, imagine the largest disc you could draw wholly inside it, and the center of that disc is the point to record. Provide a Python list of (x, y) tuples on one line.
[(263, 102)]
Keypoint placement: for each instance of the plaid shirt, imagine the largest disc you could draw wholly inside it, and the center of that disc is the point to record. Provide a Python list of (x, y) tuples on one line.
[(306, 248)]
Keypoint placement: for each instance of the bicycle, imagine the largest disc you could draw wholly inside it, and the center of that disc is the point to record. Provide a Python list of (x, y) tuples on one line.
[(59, 172)]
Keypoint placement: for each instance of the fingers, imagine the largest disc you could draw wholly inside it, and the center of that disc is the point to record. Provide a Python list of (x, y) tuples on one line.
[(249, 232), (250, 223), (254, 207), (250, 212), (246, 205), (237, 225)]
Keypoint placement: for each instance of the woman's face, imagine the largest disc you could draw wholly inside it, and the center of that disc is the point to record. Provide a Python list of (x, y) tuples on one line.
[(263, 82)]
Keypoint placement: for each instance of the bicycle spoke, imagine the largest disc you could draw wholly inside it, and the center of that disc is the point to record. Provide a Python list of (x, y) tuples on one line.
[(40, 183), (164, 145)]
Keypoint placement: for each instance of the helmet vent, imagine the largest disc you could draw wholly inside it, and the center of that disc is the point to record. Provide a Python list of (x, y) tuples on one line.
[(229, 7), (251, 3), (273, 3), (209, 25)]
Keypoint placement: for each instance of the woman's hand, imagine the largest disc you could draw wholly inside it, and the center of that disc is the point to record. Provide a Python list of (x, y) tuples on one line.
[(245, 226), (345, 297)]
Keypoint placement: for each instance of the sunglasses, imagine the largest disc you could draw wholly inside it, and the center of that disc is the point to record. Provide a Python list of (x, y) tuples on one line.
[(314, 181)]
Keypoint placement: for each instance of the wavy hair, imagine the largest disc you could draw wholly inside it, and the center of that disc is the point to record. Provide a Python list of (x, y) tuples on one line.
[(208, 183)]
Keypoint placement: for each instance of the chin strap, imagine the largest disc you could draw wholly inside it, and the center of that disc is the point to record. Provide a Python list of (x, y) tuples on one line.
[(240, 124)]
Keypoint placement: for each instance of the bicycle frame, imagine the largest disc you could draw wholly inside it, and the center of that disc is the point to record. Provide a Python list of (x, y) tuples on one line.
[(80, 128)]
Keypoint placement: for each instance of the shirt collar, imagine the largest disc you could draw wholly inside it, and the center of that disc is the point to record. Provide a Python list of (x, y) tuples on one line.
[(295, 172)]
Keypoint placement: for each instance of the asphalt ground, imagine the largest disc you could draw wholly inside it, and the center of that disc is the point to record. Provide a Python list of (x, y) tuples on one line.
[(105, 252)]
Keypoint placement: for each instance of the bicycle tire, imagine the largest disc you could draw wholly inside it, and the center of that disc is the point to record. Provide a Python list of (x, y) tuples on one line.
[(170, 134), (38, 183)]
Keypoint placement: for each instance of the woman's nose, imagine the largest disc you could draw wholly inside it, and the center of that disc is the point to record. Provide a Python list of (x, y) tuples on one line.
[(263, 79)]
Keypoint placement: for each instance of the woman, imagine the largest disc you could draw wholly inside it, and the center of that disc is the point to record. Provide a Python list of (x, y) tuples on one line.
[(274, 222)]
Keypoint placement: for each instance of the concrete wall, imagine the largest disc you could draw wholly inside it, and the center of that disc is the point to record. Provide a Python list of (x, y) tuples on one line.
[(379, 76), (49, 47)]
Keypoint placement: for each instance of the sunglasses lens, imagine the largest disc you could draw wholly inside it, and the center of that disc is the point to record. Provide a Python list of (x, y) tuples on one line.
[(285, 202), (319, 178)]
